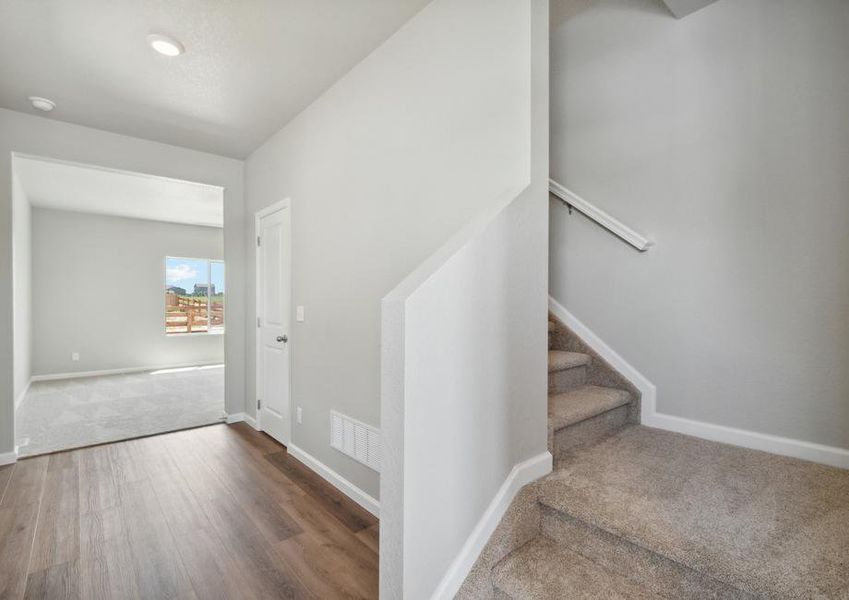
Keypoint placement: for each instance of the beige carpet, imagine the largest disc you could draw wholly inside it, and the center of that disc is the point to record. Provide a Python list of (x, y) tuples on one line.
[(772, 526), (70, 413)]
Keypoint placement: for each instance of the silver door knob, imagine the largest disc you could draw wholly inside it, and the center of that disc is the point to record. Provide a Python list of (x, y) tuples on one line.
[(282, 338)]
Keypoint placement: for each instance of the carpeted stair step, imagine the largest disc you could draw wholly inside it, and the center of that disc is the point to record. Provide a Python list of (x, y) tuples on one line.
[(543, 570), (583, 403), (665, 577), (566, 370), (583, 416), (770, 526), (560, 360)]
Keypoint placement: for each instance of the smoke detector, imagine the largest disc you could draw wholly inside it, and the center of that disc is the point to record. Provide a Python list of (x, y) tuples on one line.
[(43, 104)]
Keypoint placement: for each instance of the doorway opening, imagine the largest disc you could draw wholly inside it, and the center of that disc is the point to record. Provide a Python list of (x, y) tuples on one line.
[(116, 334)]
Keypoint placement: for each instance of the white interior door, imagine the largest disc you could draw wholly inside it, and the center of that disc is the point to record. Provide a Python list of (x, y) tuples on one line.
[(273, 298)]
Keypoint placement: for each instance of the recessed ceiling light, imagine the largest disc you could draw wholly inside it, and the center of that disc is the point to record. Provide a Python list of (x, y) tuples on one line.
[(165, 44), (42, 103)]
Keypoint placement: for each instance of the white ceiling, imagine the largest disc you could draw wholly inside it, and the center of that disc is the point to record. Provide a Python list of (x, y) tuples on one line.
[(682, 8), (81, 188), (563, 10), (250, 65)]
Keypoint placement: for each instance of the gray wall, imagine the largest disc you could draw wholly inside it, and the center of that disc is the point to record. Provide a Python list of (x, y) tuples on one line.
[(417, 139), (97, 289), (41, 136), (22, 258), (725, 136)]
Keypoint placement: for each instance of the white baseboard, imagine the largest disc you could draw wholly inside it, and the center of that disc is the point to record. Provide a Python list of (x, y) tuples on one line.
[(649, 416), (7, 458), (80, 374), (343, 485), (240, 417), (521, 475), (827, 455), (23, 394)]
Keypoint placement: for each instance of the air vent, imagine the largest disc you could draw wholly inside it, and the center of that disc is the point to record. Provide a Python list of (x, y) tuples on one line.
[(356, 439)]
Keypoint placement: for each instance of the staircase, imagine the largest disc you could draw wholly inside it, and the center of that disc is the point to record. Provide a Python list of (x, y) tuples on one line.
[(632, 512), (587, 399)]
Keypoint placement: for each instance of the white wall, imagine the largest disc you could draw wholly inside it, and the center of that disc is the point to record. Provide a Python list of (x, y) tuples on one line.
[(97, 289), (400, 153), (54, 139), (463, 373), (725, 137), (465, 396), (22, 289)]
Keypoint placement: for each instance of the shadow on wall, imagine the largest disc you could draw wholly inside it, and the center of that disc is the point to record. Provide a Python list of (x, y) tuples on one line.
[(563, 10)]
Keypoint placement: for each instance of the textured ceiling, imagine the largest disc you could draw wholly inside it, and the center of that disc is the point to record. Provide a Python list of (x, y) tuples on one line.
[(249, 67), (80, 188)]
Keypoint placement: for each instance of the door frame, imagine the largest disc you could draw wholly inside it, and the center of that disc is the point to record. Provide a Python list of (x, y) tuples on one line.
[(284, 204)]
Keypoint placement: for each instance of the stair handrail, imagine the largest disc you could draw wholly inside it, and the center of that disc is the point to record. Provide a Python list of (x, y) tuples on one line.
[(615, 226)]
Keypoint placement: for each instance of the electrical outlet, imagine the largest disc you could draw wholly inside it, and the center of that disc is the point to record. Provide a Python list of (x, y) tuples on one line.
[(75, 355), (299, 314), (300, 415)]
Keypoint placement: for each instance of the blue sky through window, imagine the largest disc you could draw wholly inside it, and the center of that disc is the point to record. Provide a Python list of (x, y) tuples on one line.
[(218, 276), (186, 272)]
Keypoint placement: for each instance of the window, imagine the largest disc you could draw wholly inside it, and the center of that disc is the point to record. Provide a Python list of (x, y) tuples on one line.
[(194, 295)]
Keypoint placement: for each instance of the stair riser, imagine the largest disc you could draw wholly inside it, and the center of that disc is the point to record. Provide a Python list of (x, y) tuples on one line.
[(588, 432), (498, 594), (518, 526), (666, 577), (567, 379)]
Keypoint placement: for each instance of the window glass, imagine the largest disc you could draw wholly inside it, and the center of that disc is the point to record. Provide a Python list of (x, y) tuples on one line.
[(216, 298), (194, 295)]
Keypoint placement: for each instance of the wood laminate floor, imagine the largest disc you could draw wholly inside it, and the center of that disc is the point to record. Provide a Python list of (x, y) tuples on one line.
[(214, 512)]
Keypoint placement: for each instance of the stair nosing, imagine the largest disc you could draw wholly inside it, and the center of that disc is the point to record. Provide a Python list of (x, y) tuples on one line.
[(626, 539), (542, 538), (639, 543)]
